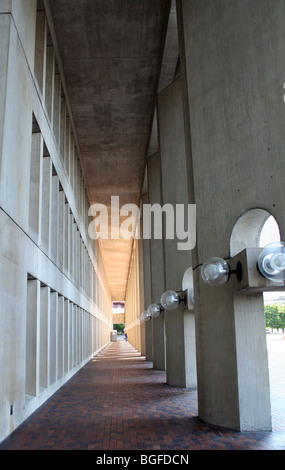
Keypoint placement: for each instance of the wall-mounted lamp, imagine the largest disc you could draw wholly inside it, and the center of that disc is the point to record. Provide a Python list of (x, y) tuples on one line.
[(154, 310), (271, 262), (216, 272), (145, 316), (171, 299)]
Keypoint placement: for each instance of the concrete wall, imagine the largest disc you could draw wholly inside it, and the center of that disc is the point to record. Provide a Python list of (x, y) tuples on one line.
[(233, 63), (55, 303)]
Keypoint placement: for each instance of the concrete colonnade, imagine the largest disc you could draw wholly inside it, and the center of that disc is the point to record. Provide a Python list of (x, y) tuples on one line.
[(234, 111), (221, 148)]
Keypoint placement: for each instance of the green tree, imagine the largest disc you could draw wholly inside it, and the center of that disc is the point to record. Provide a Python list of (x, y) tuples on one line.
[(119, 327), (282, 317), (272, 317)]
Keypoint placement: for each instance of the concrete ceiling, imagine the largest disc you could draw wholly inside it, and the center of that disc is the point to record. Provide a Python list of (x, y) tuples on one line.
[(111, 54)]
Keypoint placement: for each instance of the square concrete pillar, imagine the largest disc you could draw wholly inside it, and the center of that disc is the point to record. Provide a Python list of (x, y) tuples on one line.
[(49, 85), (180, 334), (61, 228), (53, 343), (40, 51), (57, 108), (60, 338), (55, 217), (44, 336), (46, 204), (147, 290), (156, 265), (32, 337), (35, 186), (233, 100), (66, 334)]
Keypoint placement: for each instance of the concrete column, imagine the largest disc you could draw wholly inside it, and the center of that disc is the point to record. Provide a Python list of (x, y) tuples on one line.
[(44, 336), (67, 144), (156, 265), (75, 252), (73, 334), (63, 129), (234, 94), (81, 341), (78, 315), (70, 243), (60, 338), (32, 338), (66, 237), (71, 160), (142, 329), (46, 204), (147, 289), (61, 228), (53, 344), (54, 217), (70, 335), (66, 334), (57, 108), (175, 191), (40, 50), (49, 88), (35, 186), (252, 349)]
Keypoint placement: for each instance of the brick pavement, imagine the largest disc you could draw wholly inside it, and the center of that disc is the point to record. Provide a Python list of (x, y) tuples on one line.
[(118, 402)]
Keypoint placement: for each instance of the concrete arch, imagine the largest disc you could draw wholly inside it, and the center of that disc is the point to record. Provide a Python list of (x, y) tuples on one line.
[(187, 280), (248, 229)]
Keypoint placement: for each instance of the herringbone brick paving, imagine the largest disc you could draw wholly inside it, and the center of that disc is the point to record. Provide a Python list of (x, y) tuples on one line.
[(118, 402)]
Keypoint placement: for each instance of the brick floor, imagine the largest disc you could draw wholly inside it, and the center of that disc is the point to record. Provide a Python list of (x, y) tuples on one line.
[(118, 402)]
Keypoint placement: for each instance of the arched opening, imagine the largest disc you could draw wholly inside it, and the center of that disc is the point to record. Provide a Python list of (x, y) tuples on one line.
[(187, 280), (249, 229), (258, 228)]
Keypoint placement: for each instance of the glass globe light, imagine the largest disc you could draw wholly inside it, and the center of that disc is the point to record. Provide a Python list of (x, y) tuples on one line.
[(145, 316), (215, 271), (154, 310), (271, 262), (170, 300)]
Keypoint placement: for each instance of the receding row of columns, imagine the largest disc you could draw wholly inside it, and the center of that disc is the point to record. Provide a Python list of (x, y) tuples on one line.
[(52, 224), (219, 140), (50, 83), (60, 335), (173, 333)]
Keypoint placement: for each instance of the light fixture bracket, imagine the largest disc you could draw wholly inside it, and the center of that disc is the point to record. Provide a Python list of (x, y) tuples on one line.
[(217, 271), (182, 297), (237, 271)]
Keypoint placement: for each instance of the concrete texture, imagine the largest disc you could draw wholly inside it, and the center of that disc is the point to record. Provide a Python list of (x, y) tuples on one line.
[(157, 265), (180, 354), (236, 109), (55, 300), (79, 87), (111, 55)]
